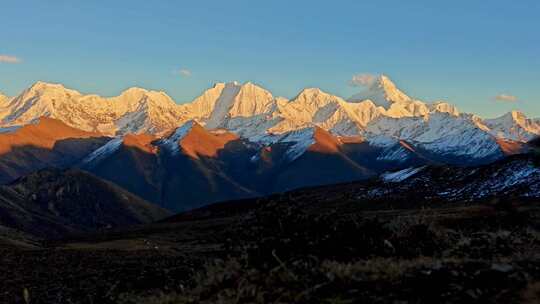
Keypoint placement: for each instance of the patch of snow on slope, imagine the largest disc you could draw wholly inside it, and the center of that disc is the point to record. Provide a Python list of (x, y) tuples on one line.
[(171, 142), (399, 176), (102, 152), (381, 141), (299, 142), (396, 153)]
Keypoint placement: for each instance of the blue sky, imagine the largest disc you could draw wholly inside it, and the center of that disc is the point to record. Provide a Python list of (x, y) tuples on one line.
[(466, 52)]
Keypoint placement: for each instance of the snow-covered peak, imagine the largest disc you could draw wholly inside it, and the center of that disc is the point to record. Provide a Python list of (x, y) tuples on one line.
[(133, 92), (514, 126), (444, 107), (316, 107), (135, 110), (221, 106), (310, 92), (217, 106), (48, 91), (383, 92), (253, 112), (393, 94), (392, 101), (42, 85), (314, 97), (136, 94), (439, 133), (512, 117), (41, 99), (251, 100), (300, 140)]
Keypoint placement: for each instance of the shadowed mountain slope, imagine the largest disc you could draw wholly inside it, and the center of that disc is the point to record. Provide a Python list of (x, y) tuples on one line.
[(47, 143), (54, 203), (188, 168)]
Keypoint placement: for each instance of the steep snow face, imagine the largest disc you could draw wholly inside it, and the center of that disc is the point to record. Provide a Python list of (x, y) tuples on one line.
[(251, 100), (171, 143), (223, 106), (201, 107), (154, 113), (514, 126), (219, 106), (134, 111), (41, 99), (439, 133), (382, 92), (103, 152), (299, 142), (243, 109), (395, 153), (385, 94), (392, 149), (312, 107)]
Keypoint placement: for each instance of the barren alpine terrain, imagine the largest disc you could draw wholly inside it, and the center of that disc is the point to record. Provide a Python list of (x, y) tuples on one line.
[(315, 245)]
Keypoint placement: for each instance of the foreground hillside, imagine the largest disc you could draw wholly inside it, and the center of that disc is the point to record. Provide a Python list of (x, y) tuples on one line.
[(332, 244), (52, 203)]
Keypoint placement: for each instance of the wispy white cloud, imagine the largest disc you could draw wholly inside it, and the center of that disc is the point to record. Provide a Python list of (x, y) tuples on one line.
[(9, 59), (505, 98), (362, 80), (183, 72)]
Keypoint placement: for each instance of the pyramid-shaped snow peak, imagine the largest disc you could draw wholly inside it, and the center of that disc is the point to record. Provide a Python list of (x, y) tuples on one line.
[(383, 92)]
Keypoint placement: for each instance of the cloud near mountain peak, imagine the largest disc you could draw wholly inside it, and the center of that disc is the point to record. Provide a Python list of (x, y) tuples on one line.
[(362, 80), (505, 98)]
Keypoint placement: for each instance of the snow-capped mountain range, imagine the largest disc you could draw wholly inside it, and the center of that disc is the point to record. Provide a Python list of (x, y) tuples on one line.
[(382, 115)]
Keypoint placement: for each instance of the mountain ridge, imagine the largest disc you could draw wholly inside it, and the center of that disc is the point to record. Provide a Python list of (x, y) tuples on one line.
[(253, 113), (44, 143), (246, 100)]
